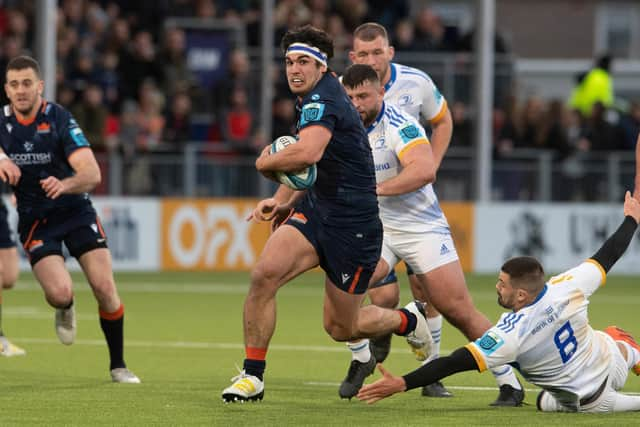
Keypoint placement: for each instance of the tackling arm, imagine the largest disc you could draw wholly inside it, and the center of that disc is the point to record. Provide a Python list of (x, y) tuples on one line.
[(459, 361), (619, 241)]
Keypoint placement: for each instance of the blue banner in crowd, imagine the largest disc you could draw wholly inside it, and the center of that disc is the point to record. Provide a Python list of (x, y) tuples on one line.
[(207, 54)]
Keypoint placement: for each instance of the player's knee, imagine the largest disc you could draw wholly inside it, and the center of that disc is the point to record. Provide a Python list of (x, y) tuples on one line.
[(265, 278), (59, 298), (338, 332), (387, 296)]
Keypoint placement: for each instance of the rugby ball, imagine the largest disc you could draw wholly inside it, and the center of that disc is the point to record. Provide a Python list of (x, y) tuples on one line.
[(299, 180)]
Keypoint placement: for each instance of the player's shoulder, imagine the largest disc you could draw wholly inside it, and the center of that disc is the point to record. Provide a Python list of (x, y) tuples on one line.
[(407, 125), (405, 72), (511, 321), (6, 113)]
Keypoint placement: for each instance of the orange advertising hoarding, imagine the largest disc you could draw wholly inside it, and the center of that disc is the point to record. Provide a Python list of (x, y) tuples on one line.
[(210, 234), (213, 234), (461, 219)]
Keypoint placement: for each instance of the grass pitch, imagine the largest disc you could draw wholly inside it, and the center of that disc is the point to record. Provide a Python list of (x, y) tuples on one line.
[(184, 336)]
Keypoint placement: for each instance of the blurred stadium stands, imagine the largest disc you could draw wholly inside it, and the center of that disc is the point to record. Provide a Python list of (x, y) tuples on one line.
[(167, 90)]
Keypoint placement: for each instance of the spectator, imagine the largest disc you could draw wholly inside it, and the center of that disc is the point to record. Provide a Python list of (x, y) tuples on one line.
[(177, 131), (238, 124), (462, 127), (630, 125), (431, 34), (140, 64), (173, 59), (109, 80), (593, 87), (239, 77), (91, 116), (404, 36), (284, 117)]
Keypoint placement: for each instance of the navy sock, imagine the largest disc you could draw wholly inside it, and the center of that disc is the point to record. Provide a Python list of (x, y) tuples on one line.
[(410, 326), (255, 367)]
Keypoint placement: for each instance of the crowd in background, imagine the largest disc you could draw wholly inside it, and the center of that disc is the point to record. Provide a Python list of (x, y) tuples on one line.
[(124, 75)]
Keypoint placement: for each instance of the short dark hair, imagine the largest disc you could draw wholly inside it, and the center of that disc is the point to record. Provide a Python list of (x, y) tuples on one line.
[(525, 272), (356, 74), (311, 36), (23, 62), (370, 31)]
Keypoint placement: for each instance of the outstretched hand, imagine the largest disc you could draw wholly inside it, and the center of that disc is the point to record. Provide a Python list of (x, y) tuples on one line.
[(386, 386), (631, 207), (265, 211)]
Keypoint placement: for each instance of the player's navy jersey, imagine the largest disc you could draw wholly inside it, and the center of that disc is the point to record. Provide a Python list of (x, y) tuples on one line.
[(41, 149), (345, 189)]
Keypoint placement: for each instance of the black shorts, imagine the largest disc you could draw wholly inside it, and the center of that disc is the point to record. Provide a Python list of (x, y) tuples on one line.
[(348, 255), (6, 235), (78, 228)]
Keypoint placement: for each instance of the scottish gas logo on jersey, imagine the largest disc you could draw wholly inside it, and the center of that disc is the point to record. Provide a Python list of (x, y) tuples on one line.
[(23, 159)]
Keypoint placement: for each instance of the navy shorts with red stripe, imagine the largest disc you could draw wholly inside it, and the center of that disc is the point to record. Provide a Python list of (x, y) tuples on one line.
[(348, 255), (78, 228)]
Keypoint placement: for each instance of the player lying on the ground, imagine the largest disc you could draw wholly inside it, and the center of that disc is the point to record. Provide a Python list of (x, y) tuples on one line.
[(547, 336)]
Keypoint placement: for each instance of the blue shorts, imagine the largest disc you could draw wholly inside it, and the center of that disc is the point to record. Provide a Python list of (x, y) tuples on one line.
[(78, 228), (6, 235), (348, 255)]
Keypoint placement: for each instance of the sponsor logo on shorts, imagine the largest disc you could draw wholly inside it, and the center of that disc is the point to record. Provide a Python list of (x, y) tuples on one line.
[(444, 249), (345, 278)]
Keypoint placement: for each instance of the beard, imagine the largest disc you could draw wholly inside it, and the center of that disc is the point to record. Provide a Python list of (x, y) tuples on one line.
[(503, 304), (368, 117)]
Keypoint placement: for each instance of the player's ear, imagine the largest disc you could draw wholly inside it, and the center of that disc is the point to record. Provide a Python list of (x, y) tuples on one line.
[(352, 56), (392, 52)]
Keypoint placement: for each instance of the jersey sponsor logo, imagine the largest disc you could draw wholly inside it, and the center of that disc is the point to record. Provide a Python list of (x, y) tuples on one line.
[(28, 146), (409, 132), (315, 97), (379, 144), (311, 112), (405, 100), (22, 159), (489, 342), (382, 166)]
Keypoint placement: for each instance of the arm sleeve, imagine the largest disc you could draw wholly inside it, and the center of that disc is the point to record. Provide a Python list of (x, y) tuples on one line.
[(459, 361), (616, 244)]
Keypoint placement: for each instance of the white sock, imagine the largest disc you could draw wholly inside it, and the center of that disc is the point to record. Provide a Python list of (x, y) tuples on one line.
[(435, 326), (504, 375), (360, 350), (633, 355)]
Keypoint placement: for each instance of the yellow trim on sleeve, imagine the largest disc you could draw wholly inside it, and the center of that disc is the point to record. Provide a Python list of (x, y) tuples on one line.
[(604, 273), (482, 365), (441, 114), (411, 145)]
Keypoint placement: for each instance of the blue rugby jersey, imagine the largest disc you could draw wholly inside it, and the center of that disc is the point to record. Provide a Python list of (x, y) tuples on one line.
[(41, 149), (345, 189)]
